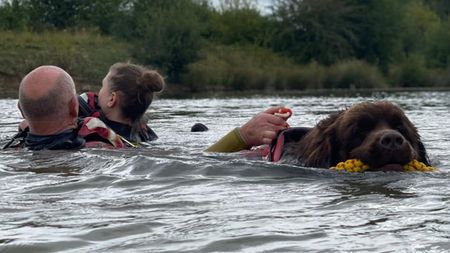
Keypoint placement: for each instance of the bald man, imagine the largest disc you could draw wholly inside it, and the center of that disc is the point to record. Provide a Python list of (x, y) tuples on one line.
[(49, 104), (48, 100)]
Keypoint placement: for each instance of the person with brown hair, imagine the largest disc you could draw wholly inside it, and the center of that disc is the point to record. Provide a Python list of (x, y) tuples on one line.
[(126, 94)]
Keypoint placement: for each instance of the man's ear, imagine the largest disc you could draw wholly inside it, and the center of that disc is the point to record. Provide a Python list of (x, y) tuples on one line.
[(20, 109), (73, 107)]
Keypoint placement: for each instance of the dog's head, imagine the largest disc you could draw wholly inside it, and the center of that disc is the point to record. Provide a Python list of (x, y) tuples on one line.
[(378, 133)]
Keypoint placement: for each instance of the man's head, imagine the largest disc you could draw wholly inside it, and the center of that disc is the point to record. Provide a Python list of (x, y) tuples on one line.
[(47, 98)]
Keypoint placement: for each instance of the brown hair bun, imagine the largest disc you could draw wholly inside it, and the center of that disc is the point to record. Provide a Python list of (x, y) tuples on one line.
[(151, 81)]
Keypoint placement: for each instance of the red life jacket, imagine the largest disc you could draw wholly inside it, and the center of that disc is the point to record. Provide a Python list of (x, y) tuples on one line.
[(89, 107), (97, 134)]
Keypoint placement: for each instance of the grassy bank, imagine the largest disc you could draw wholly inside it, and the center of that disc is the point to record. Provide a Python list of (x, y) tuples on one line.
[(85, 55)]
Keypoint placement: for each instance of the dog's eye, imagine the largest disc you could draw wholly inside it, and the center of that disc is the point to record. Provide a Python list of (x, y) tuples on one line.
[(364, 124), (399, 127), (397, 123), (359, 130), (355, 142)]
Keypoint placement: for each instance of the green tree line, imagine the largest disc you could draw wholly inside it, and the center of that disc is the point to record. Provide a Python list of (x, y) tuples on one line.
[(307, 44)]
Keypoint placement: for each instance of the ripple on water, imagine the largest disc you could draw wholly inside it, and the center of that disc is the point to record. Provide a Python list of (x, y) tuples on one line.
[(173, 197)]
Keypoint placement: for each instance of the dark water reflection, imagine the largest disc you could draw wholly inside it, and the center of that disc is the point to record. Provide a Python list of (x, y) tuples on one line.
[(173, 197)]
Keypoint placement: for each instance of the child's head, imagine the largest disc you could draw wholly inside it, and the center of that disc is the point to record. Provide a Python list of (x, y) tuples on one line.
[(130, 88)]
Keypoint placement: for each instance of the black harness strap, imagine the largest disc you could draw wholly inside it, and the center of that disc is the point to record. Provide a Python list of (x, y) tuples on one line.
[(84, 108), (20, 136), (293, 134)]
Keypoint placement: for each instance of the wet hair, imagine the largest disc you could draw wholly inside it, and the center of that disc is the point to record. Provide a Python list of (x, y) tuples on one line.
[(136, 85), (52, 105)]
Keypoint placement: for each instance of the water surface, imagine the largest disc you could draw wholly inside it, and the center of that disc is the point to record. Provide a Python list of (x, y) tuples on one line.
[(173, 197)]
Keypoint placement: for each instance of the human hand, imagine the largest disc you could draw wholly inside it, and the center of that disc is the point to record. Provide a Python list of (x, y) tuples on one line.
[(264, 126)]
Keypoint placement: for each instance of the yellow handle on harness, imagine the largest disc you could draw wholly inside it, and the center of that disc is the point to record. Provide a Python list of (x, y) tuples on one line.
[(355, 165)]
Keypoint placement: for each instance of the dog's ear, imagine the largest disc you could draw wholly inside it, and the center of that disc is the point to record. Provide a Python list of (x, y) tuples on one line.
[(413, 136), (422, 153), (318, 147)]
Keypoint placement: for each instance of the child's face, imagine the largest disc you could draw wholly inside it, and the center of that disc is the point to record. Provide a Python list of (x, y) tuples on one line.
[(105, 94)]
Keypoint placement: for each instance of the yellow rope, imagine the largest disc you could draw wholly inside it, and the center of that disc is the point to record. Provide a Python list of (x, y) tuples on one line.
[(355, 165), (128, 142), (415, 165)]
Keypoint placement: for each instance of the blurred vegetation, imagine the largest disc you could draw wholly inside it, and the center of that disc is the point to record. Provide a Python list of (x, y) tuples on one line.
[(353, 74), (87, 56), (248, 67), (309, 44)]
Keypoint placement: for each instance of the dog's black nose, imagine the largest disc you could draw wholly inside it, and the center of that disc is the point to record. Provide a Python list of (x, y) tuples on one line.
[(392, 140)]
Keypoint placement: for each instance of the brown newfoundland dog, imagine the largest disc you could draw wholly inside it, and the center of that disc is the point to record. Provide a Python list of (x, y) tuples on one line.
[(377, 133)]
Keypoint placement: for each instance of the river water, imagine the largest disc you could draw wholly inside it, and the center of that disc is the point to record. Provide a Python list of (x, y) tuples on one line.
[(173, 197)]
